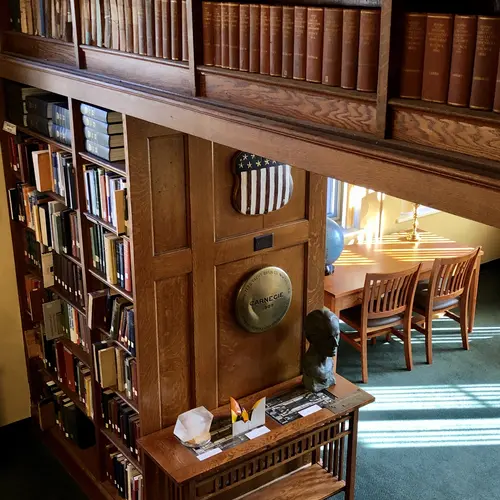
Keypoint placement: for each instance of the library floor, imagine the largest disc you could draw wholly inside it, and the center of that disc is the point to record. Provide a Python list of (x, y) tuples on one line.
[(433, 433)]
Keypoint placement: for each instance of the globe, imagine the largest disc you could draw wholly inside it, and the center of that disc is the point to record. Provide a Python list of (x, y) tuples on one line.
[(334, 244)]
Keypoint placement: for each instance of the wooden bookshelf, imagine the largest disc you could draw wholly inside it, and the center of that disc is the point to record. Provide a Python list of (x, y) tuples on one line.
[(101, 222), (118, 167), (71, 394), (116, 288), (121, 446), (183, 124), (77, 351), (48, 140)]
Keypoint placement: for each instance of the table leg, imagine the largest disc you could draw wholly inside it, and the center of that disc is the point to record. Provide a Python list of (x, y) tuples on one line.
[(352, 444), (473, 297)]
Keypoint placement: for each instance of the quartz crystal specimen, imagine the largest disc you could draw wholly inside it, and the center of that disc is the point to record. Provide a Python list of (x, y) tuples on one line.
[(193, 427)]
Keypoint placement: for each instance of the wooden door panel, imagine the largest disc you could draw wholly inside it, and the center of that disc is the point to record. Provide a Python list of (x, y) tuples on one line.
[(248, 362)]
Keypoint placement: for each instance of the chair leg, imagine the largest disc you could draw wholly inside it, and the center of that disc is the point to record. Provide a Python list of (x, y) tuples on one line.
[(374, 340), (388, 337), (428, 339), (464, 323), (364, 360), (407, 345)]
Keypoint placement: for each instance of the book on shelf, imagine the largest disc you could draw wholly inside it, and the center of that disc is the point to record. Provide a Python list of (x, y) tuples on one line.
[(485, 63), (68, 279), (43, 170), (332, 47), (369, 36), (106, 194), (304, 43), (462, 60), (115, 369), (102, 127), (106, 140), (42, 18), (437, 57), (111, 257), (155, 28), (101, 114), (72, 422), (43, 104), (61, 319), (350, 48), (122, 420), (15, 98), (123, 475), (451, 59), (108, 154)]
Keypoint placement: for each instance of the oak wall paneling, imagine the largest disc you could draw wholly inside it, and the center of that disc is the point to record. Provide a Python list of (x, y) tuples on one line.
[(162, 270)]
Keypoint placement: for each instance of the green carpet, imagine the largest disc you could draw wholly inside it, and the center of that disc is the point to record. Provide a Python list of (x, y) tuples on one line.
[(434, 432)]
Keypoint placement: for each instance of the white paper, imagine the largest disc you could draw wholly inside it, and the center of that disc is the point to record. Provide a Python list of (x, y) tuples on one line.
[(255, 433), (309, 411), (10, 128), (208, 454)]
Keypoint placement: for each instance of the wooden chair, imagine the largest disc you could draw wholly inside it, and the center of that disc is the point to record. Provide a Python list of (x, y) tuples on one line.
[(448, 287), (387, 303)]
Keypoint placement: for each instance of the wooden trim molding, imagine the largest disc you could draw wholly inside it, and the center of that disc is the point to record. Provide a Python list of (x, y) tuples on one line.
[(383, 165)]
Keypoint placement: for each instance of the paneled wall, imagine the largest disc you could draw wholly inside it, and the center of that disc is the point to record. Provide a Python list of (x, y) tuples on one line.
[(196, 250)]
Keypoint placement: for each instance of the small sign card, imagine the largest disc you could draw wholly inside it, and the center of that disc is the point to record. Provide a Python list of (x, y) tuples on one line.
[(9, 128), (309, 411), (255, 433), (208, 454)]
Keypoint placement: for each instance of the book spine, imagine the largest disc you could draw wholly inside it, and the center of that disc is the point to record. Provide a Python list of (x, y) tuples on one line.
[(93, 112), (299, 43), (217, 34), (135, 28), (129, 33), (208, 33), (485, 63), (158, 29), (275, 40), (184, 31), (107, 23), (224, 42), (315, 27), (350, 47), (165, 30), (126, 259), (369, 41), (122, 25), (244, 37), (287, 42), (462, 60), (332, 47), (254, 43), (115, 26), (93, 20), (437, 58), (233, 11), (412, 63), (97, 137), (496, 102), (150, 35), (265, 39), (141, 26), (39, 124), (97, 149), (175, 29)]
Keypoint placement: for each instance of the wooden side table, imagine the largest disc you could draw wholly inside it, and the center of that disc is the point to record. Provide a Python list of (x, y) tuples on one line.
[(313, 457)]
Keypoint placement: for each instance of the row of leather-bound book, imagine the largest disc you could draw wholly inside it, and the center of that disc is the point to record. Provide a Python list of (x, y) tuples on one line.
[(452, 59), (333, 46), (156, 28)]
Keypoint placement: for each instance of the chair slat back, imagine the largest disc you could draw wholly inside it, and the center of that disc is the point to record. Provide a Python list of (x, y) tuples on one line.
[(389, 294), (451, 276)]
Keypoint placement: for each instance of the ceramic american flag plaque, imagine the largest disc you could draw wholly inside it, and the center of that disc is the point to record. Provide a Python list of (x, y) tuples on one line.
[(261, 185)]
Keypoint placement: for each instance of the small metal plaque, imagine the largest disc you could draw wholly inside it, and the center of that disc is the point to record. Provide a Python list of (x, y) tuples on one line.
[(264, 299)]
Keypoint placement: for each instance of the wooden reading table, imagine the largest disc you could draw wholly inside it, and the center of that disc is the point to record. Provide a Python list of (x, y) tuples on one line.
[(391, 253), (313, 457)]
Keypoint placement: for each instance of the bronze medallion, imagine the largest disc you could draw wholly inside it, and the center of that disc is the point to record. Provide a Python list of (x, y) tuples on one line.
[(264, 299)]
